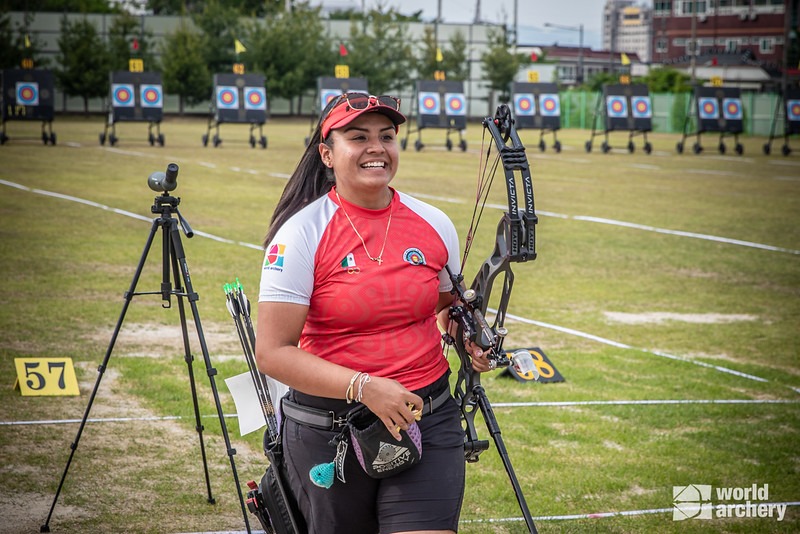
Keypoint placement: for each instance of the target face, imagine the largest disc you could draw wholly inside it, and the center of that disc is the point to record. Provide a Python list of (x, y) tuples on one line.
[(524, 105), (549, 105), (151, 96), (429, 103), (707, 108), (793, 110), (732, 109), (255, 98), (617, 107), (641, 107), (122, 95), (27, 93), (326, 95), (455, 104), (227, 97)]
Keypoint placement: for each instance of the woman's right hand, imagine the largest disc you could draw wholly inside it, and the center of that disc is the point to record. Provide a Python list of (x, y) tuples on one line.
[(391, 402)]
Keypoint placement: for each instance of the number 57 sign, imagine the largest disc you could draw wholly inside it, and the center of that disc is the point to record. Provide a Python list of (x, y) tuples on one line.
[(46, 376)]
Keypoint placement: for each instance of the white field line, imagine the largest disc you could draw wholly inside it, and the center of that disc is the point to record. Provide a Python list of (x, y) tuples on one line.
[(569, 517), (518, 318), (548, 404)]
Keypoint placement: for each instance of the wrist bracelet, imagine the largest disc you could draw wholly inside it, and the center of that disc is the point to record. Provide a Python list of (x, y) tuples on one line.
[(348, 394), (362, 381)]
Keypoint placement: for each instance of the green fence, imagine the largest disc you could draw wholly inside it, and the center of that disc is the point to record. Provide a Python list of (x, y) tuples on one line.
[(579, 109)]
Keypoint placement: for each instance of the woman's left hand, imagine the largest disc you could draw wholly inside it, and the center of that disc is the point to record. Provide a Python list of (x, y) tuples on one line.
[(480, 363)]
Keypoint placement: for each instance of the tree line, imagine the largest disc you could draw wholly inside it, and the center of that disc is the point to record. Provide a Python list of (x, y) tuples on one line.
[(290, 47)]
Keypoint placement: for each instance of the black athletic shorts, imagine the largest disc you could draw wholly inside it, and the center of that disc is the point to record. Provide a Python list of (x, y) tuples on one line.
[(427, 496)]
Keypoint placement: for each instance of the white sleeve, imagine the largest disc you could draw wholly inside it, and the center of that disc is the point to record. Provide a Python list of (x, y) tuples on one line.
[(287, 274)]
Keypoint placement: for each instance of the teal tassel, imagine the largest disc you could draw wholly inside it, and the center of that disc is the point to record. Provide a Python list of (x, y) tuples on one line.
[(322, 475)]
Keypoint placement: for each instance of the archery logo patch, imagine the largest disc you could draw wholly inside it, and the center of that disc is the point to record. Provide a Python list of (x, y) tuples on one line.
[(273, 260), (414, 256)]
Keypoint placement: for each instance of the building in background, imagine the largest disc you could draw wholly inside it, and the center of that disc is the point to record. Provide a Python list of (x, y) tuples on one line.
[(626, 28), (718, 30)]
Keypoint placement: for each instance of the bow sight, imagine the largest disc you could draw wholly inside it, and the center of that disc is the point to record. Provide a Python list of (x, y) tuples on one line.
[(515, 242)]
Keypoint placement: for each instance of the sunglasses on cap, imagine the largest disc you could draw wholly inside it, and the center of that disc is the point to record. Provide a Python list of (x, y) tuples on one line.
[(348, 106)]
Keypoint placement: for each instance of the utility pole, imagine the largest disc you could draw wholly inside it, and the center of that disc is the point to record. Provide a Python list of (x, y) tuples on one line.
[(477, 12)]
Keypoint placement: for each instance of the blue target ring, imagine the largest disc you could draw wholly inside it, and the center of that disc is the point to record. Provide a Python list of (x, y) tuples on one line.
[(616, 107), (732, 109), (122, 95), (707, 108), (524, 105), (549, 105), (455, 104), (28, 93), (641, 107), (429, 103), (151, 96), (227, 97)]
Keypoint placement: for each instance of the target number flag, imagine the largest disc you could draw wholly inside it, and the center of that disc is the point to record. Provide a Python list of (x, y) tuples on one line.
[(255, 98), (151, 96), (122, 95), (227, 97), (524, 105), (617, 106), (793, 110), (455, 104), (707, 108), (732, 109), (641, 107), (27, 94), (549, 105), (429, 103), (45, 377)]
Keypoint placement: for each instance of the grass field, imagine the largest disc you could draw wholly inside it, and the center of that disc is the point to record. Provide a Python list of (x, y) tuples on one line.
[(666, 291)]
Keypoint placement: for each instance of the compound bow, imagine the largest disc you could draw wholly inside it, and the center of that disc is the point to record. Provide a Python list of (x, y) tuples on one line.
[(515, 242)]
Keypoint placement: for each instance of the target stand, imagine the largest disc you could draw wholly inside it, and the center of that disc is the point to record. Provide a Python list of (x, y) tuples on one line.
[(716, 109), (623, 107), (329, 88), (438, 104), (537, 106), (787, 110), (135, 97), (28, 95), (238, 98)]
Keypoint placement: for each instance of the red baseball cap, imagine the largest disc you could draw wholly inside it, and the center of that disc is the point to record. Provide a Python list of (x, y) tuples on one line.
[(344, 112)]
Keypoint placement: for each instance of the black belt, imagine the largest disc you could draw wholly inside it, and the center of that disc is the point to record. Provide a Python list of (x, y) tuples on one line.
[(327, 420)]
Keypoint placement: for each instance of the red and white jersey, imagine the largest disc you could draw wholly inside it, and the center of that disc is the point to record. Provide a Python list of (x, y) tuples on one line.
[(371, 317)]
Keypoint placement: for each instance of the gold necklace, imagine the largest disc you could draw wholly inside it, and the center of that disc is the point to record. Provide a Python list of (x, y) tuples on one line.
[(379, 257)]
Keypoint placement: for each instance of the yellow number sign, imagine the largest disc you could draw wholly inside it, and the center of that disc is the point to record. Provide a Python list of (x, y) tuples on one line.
[(46, 376), (238, 68), (342, 71), (716, 81), (135, 65), (533, 76)]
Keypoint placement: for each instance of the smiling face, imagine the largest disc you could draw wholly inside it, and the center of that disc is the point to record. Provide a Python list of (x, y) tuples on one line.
[(364, 158)]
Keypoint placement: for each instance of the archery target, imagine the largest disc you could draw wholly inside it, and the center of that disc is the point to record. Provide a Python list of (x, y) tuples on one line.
[(326, 95), (793, 110), (455, 104), (732, 109), (707, 108), (429, 103), (524, 105), (255, 98), (27, 93), (227, 97), (150, 96), (641, 107), (122, 95), (549, 105), (616, 107)]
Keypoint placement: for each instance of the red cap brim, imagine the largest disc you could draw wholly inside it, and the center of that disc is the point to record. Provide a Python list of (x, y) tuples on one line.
[(343, 114)]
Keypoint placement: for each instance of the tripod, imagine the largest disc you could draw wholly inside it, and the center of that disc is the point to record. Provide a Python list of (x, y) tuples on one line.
[(173, 264)]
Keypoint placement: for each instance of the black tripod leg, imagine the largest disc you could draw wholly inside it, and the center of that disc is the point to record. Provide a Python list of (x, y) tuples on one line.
[(102, 368), (189, 358), (494, 430), (180, 258)]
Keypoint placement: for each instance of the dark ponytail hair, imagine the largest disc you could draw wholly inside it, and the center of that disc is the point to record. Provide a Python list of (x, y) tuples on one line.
[(309, 181)]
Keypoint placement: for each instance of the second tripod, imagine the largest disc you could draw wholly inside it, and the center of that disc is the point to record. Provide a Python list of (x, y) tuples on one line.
[(173, 266)]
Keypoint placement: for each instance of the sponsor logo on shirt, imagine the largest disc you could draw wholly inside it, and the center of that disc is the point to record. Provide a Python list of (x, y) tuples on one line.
[(274, 257), (349, 263), (414, 256)]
